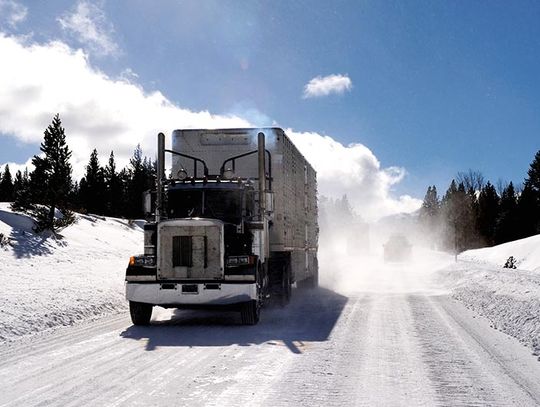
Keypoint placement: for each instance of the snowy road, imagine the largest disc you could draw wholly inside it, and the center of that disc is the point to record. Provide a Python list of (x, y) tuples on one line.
[(391, 344)]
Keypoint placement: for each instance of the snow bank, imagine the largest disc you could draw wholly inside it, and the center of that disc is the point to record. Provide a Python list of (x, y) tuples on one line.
[(525, 251), (47, 282), (509, 298)]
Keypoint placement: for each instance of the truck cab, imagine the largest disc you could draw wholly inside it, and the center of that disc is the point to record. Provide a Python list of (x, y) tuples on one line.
[(212, 235)]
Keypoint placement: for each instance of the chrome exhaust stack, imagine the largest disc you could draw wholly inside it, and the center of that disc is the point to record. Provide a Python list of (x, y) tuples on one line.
[(160, 174), (262, 174)]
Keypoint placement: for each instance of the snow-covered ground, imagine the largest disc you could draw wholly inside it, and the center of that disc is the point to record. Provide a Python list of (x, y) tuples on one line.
[(47, 282), (509, 298), (391, 337), (376, 334)]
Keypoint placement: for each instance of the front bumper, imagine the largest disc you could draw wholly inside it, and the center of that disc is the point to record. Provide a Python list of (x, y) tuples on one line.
[(171, 294)]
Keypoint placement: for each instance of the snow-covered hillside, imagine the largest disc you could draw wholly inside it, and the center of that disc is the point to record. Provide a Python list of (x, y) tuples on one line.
[(509, 298), (47, 282)]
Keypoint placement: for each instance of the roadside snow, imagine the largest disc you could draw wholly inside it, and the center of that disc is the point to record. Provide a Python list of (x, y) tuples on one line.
[(525, 251), (509, 298), (47, 282)]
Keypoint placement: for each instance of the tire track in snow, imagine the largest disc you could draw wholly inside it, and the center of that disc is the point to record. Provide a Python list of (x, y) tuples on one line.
[(462, 371), (326, 373), (394, 373), (381, 348), (193, 358), (98, 368)]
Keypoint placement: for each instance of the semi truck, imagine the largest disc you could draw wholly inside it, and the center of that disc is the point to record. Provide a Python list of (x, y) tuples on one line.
[(234, 225)]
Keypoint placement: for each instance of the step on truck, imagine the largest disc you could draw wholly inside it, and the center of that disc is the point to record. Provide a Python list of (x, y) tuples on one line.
[(235, 225)]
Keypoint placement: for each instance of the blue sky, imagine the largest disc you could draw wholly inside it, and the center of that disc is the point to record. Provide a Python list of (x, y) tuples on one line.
[(435, 87)]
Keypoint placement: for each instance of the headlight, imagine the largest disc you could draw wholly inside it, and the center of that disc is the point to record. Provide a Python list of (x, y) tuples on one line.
[(243, 260)]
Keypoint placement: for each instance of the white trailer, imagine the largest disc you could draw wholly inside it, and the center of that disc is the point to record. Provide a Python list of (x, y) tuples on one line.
[(236, 224)]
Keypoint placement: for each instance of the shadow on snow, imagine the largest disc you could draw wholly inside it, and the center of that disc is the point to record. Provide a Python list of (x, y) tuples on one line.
[(310, 317), (25, 242)]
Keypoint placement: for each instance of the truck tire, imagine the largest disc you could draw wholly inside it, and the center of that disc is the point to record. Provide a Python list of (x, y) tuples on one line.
[(250, 312), (140, 313), (286, 286)]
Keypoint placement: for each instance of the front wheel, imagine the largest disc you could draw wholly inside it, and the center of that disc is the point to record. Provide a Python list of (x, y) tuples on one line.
[(250, 312), (140, 313)]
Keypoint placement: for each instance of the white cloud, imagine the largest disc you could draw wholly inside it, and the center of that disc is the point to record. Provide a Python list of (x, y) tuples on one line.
[(323, 86), (91, 27), (12, 13), (39, 80), (355, 171)]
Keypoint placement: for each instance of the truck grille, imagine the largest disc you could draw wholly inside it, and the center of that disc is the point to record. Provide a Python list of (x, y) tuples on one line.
[(182, 253), (190, 249)]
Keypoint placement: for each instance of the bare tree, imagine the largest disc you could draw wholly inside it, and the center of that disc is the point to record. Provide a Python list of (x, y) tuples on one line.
[(471, 179), (501, 185)]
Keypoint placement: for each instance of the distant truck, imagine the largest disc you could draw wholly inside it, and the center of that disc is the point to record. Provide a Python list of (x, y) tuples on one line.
[(397, 249), (235, 225)]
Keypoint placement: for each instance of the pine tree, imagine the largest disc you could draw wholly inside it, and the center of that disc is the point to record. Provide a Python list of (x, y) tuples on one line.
[(533, 173), (469, 214), (474, 237), (429, 216), (488, 213), (458, 216), (528, 212), (506, 228), (114, 189), (141, 178), (75, 197), (529, 201), (22, 199), (92, 186), (125, 181), (50, 182), (431, 204), (6, 186), (38, 181), (17, 183), (449, 212)]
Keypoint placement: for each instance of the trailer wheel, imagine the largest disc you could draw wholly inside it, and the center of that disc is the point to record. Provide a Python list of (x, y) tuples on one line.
[(286, 286), (140, 313), (250, 312), (314, 281)]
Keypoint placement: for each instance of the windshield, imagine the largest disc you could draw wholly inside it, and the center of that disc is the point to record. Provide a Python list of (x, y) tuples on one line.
[(225, 205)]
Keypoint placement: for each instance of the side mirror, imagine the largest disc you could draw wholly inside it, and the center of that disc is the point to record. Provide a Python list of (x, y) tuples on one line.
[(148, 207)]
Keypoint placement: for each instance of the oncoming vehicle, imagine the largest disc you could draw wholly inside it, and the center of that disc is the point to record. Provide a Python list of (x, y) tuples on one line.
[(397, 249)]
